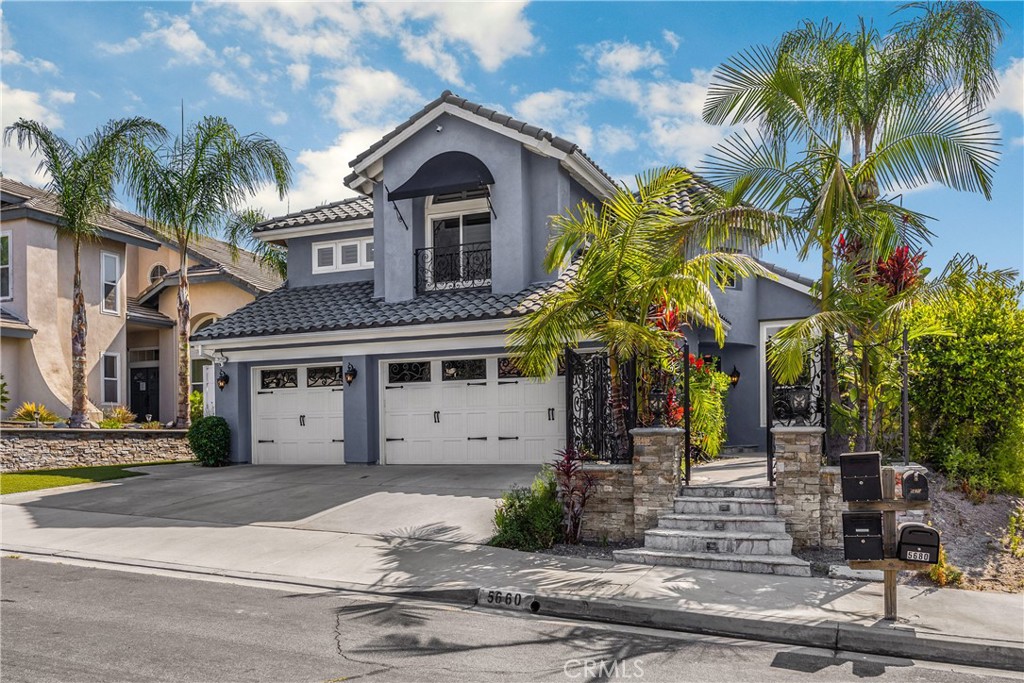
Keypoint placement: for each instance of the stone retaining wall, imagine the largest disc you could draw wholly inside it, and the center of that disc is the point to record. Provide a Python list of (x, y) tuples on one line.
[(798, 482), (35, 449), (832, 508), (609, 512)]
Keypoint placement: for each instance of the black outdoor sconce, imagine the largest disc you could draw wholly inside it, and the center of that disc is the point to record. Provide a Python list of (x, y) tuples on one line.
[(734, 376), (350, 374), (658, 400), (222, 380)]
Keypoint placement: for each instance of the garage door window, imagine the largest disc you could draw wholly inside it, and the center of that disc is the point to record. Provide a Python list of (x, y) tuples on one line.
[(472, 368), (286, 378), (330, 376), (507, 369), (402, 373)]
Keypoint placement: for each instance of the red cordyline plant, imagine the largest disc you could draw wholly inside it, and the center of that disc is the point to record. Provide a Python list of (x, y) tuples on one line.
[(574, 485), (901, 271)]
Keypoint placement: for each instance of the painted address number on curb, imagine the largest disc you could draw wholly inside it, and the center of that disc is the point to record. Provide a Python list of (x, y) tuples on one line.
[(504, 599)]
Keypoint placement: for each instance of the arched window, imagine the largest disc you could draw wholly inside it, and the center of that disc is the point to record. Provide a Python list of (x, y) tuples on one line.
[(157, 272)]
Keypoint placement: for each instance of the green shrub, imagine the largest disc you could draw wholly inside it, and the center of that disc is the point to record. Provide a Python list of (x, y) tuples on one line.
[(210, 440), (111, 423), (152, 425), (1014, 540), (944, 573), (967, 389), (26, 413), (5, 396), (195, 405), (120, 414), (529, 519)]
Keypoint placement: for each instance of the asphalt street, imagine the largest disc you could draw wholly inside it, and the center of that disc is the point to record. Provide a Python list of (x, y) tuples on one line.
[(65, 622)]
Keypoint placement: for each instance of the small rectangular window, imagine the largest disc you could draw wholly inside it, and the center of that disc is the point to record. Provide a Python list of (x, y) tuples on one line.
[(111, 275), (368, 252), (402, 373), (325, 257), (286, 378), (111, 370), (349, 254), (5, 266)]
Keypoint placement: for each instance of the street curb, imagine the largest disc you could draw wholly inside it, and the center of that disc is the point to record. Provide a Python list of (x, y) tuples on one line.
[(886, 640)]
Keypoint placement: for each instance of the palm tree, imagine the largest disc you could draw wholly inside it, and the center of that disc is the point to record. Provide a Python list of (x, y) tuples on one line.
[(241, 235), (907, 104), (82, 176), (634, 254), (194, 188)]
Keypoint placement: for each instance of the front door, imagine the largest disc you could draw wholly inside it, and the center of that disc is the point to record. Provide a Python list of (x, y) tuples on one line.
[(145, 393)]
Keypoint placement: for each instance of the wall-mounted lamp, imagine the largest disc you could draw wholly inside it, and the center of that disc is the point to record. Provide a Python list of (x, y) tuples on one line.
[(222, 380), (350, 374), (734, 376)]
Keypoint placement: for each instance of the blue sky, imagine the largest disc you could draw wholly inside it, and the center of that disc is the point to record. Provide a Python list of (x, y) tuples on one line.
[(624, 80)]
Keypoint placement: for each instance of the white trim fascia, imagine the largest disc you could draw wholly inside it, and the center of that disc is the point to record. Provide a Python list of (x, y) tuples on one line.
[(588, 175), (306, 354), (789, 282), (361, 334), (279, 234)]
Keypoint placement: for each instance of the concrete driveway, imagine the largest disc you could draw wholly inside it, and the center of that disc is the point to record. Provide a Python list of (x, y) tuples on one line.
[(446, 503)]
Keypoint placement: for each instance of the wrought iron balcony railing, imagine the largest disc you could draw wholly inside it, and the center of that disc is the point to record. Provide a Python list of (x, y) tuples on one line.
[(460, 266)]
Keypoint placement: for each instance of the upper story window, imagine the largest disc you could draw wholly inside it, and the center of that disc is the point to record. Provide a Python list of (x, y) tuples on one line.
[(111, 378), (350, 254), (157, 272), (458, 243), (5, 266), (110, 272)]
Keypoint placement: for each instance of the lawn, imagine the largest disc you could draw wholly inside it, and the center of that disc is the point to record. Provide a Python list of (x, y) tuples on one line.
[(32, 480)]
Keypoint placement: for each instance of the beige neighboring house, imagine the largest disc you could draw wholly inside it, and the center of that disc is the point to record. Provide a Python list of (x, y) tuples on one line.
[(129, 277)]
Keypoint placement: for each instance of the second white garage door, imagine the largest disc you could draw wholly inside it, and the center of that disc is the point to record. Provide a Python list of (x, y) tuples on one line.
[(298, 416), (470, 411)]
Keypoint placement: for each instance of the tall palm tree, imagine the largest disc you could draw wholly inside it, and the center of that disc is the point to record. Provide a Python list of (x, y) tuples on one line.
[(195, 187), (81, 177), (635, 253), (906, 104)]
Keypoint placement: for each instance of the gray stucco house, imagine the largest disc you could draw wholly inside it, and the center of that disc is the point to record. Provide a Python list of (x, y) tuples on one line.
[(387, 342)]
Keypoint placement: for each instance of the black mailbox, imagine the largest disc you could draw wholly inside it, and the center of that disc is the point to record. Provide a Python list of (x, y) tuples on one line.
[(861, 476), (915, 486), (862, 536), (918, 543)]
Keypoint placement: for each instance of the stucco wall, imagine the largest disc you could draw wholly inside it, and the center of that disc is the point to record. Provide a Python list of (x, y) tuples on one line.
[(29, 449), (300, 260)]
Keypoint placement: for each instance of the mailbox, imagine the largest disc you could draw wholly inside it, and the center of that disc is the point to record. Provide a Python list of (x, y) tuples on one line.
[(862, 536), (915, 486), (861, 476), (917, 543)]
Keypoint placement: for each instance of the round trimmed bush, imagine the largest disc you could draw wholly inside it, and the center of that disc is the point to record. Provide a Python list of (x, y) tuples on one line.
[(210, 440)]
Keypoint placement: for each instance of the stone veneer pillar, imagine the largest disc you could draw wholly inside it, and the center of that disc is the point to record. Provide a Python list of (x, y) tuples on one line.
[(656, 460), (798, 482)]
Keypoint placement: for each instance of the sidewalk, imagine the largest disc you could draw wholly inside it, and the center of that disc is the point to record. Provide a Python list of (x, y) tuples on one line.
[(985, 629)]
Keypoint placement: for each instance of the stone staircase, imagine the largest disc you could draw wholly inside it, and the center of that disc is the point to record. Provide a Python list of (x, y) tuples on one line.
[(724, 528)]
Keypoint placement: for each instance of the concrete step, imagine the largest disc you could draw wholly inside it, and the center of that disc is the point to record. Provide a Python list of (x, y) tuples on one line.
[(783, 565), (700, 491), (765, 524), (721, 505), (719, 542)]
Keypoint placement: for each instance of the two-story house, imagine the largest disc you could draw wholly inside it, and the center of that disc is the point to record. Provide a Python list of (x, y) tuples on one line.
[(129, 280), (388, 342)]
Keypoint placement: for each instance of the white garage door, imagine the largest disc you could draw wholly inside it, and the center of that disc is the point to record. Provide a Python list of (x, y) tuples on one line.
[(470, 411), (298, 416)]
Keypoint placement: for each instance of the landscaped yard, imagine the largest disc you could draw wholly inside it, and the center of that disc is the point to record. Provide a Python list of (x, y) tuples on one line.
[(33, 480)]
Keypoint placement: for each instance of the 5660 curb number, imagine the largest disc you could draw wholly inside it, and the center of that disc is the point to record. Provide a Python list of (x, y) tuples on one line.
[(504, 599)]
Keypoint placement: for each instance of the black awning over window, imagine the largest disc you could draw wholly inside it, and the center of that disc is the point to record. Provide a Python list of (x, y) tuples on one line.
[(447, 172)]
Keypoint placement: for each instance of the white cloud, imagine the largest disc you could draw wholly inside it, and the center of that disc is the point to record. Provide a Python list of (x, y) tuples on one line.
[(19, 164), (431, 51), (236, 54), (319, 173), (299, 73), (12, 58), (172, 32), (278, 118), (613, 140), (1017, 142), (559, 111), (59, 97), (623, 58), (672, 38), (227, 85), (364, 94), (1011, 89)]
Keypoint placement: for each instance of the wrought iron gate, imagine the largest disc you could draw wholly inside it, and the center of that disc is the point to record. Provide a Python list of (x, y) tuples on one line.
[(590, 418), (805, 403)]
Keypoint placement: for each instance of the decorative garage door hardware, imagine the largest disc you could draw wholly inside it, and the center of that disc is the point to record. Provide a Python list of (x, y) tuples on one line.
[(476, 438), (400, 386), (551, 414), (508, 381), (264, 441), (337, 440), (398, 439), (302, 420), (508, 438), (437, 417)]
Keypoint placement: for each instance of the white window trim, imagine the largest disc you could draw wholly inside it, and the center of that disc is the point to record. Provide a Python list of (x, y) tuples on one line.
[(762, 346), (336, 246), (104, 378), (117, 283), (10, 264), (149, 275)]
